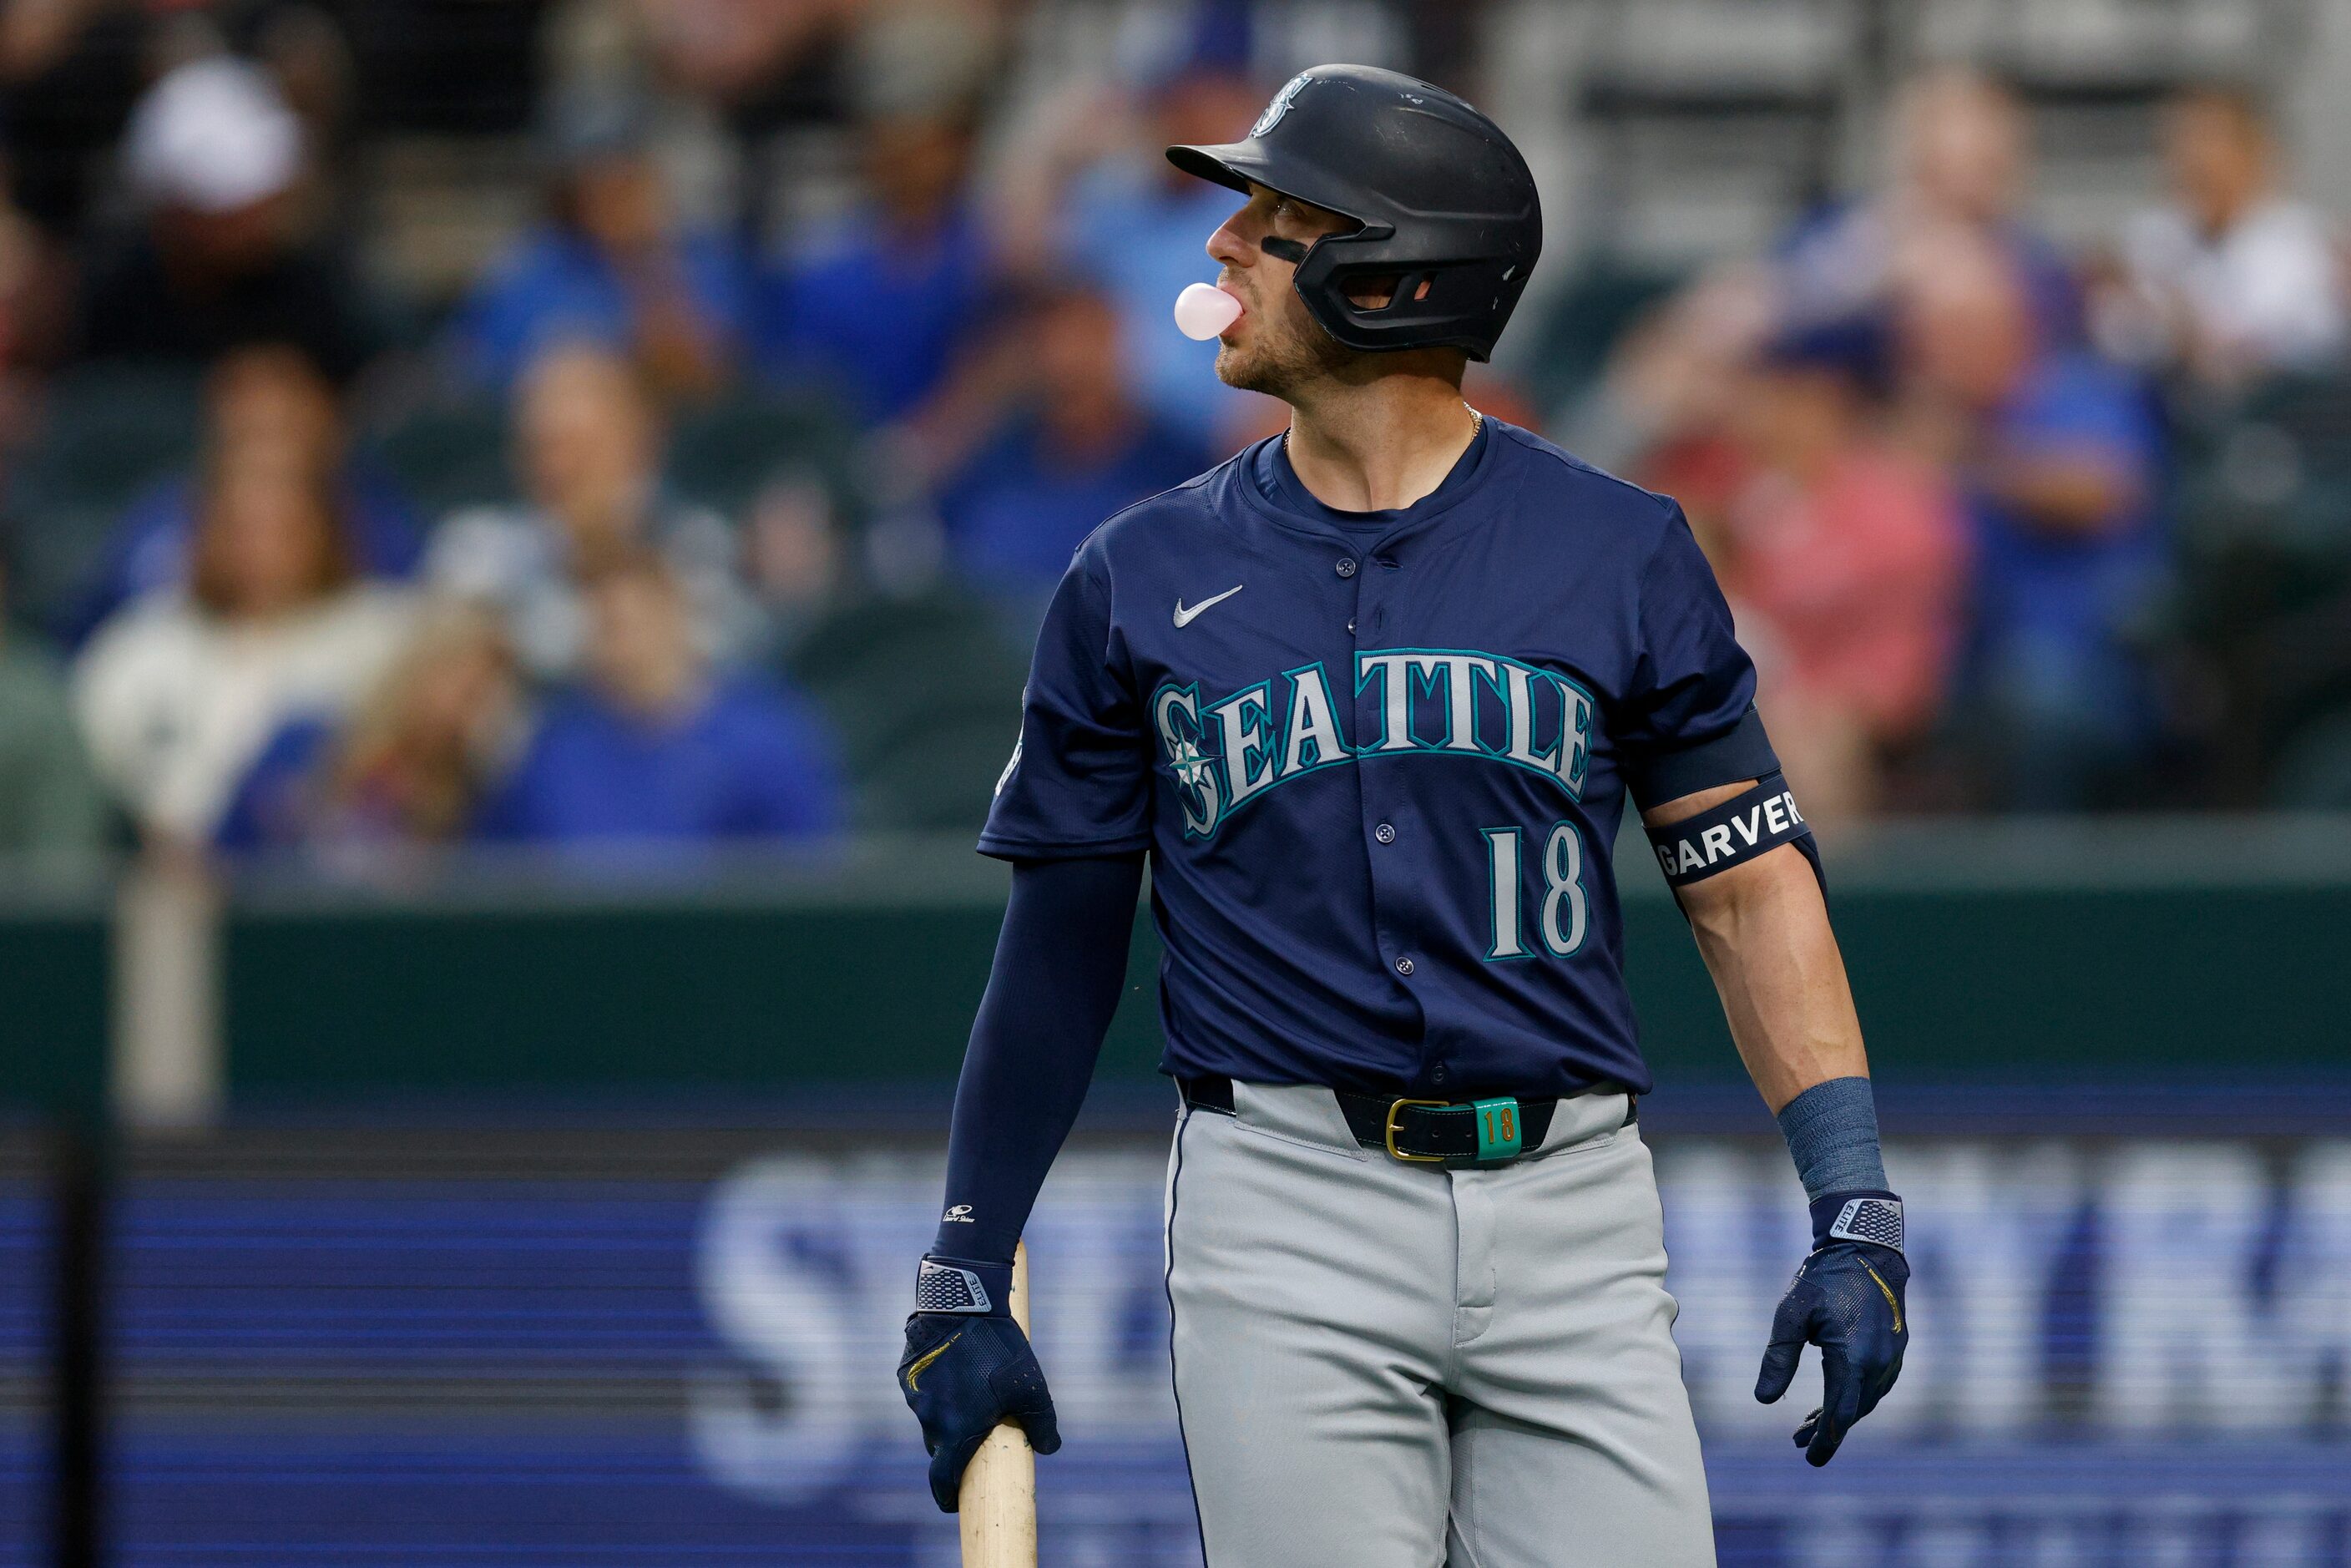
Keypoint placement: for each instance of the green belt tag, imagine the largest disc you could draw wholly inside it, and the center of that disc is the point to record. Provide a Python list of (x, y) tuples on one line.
[(1498, 1129)]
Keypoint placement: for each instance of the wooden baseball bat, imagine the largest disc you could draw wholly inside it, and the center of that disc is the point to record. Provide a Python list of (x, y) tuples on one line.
[(997, 1504)]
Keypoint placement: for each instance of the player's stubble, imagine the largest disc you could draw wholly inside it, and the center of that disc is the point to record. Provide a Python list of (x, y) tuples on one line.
[(1282, 350)]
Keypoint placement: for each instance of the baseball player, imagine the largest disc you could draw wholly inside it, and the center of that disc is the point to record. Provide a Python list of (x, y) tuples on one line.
[(1370, 697)]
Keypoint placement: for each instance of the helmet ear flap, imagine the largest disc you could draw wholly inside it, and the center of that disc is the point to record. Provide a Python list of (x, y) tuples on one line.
[(1408, 287), (1429, 304)]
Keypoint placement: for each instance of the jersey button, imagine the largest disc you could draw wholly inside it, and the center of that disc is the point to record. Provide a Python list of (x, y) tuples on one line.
[(1346, 567), (1437, 1075), (1384, 833), (1404, 965)]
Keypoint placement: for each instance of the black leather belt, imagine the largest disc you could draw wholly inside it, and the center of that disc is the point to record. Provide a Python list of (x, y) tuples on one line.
[(1456, 1133)]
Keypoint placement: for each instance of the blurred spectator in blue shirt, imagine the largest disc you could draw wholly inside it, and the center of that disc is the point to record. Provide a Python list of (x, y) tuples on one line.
[(2057, 452), (876, 302), (1960, 159), (268, 395), (1075, 449), (879, 300), (588, 448), (656, 747), (407, 769), (1096, 193), (612, 265)]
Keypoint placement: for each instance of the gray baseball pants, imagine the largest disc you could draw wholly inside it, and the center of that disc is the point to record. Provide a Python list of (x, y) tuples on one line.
[(1389, 1365)]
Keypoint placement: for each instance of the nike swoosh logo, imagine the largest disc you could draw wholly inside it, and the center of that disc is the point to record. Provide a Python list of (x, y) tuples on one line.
[(1186, 617), (1881, 1285), (922, 1363)]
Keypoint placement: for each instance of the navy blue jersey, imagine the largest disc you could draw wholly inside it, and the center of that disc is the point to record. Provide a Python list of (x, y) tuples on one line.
[(1379, 761)]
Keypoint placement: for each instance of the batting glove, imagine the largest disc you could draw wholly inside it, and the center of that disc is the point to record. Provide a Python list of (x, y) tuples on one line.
[(968, 1367), (1847, 1298)]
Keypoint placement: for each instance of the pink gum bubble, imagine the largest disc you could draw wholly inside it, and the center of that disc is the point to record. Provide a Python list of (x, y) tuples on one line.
[(1203, 311)]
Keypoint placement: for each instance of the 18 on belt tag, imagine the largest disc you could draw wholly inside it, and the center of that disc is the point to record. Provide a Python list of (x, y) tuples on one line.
[(1498, 1129)]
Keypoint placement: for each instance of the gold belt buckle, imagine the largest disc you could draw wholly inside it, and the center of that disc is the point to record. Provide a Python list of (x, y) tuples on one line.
[(1394, 1107)]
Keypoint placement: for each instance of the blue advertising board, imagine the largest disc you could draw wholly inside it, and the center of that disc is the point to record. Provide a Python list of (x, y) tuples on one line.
[(2128, 1353), (26, 1242)]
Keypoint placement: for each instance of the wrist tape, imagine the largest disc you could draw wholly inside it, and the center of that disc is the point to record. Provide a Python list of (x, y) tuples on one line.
[(1756, 819), (1832, 1133)]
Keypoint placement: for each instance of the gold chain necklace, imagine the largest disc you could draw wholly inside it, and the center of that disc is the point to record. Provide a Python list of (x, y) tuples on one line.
[(1477, 423)]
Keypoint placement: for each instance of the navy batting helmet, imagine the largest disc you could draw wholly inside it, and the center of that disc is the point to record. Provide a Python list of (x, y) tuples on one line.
[(1439, 195)]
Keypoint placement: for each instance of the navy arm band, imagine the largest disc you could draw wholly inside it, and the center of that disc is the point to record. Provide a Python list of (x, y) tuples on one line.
[(1061, 960), (1742, 751), (1751, 823)]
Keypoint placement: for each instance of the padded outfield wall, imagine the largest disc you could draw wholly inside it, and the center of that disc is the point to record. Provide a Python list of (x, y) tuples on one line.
[(2017, 955), (2021, 957)]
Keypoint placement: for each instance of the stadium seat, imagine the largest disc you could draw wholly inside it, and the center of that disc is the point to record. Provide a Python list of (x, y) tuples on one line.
[(2313, 770), (448, 453), (105, 433), (924, 693), (1582, 323), (721, 452), (2264, 503)]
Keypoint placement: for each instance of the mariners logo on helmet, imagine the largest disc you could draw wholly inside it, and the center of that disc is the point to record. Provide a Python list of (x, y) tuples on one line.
[(1280, 104)]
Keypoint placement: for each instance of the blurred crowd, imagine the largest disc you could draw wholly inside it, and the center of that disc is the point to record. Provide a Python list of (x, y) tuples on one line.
[(698, 509), (1981, 506)]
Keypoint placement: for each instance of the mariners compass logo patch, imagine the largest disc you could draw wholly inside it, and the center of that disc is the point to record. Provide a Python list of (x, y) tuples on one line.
[(1280, 104)]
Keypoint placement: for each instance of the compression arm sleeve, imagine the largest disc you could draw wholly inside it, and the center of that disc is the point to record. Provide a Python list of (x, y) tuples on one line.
[(1060, 962)]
